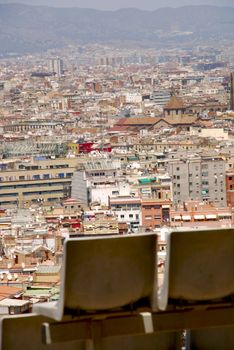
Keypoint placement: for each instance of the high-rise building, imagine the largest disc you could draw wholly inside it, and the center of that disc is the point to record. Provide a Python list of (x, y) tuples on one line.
[(198, 178), (161, 97), (56, 66), (232, 93)]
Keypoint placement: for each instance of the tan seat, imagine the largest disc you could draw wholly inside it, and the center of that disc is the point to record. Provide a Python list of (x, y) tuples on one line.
[(100, 276), (217, 338), (199, 267), (24, 332), (105, 273), (155, 341)]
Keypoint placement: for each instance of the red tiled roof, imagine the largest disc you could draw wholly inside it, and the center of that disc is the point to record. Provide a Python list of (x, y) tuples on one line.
[(175, 103), (8, 291), (119, 128), (134, 121)]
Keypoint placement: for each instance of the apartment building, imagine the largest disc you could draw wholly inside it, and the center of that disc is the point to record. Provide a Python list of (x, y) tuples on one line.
[(198, 178), (200, 214), (156, 187), (36, 179), (155, 213), (55, 65), (230, 188), (161, 97), (127, 209), (232, 92), (98, 181)]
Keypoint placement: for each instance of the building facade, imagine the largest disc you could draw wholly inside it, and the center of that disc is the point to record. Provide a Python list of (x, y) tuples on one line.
[(56, 66), (40, 179), (198, 178), (232, 92)]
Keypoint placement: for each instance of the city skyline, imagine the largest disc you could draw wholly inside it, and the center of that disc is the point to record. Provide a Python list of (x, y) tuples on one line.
[(107, 5)]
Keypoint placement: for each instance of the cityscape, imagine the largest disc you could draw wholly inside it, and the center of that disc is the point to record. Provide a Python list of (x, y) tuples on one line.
[(111, 135)]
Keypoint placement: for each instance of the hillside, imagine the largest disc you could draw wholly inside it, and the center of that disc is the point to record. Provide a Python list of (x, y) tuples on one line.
[(25, 28)]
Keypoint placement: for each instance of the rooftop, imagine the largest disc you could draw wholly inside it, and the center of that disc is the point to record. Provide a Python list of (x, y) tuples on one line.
[(175, 103)]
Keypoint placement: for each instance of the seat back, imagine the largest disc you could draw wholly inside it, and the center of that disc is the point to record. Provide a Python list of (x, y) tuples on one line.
[(199, 266), (103, 273)]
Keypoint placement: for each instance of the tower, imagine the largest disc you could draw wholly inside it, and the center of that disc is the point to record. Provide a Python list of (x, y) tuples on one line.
[(232, 93), (56, 66)]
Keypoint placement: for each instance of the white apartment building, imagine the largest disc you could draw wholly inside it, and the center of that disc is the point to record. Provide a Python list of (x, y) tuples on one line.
[(97, 182), (127, 209), (133, 98), (55, 65)]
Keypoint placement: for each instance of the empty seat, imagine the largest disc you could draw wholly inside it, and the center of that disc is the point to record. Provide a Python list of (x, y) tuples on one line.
[(105, 273), (199, 267)]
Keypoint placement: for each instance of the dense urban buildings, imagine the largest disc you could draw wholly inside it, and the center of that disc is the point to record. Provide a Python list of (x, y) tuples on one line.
[(106, 139), (232, 92)]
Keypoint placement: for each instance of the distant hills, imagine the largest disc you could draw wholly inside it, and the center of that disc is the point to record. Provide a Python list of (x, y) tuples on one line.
[(25, 28)]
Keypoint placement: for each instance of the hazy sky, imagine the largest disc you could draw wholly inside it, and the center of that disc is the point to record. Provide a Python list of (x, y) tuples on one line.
[(116, 4)]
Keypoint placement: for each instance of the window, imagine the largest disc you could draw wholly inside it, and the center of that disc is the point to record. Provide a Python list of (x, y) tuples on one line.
[(130, 216), (115, 193), (121, 216), (205, 182), (205, 173)]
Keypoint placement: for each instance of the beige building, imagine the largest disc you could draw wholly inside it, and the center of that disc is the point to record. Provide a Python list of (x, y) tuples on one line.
[(101, 227), (38, 179)]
